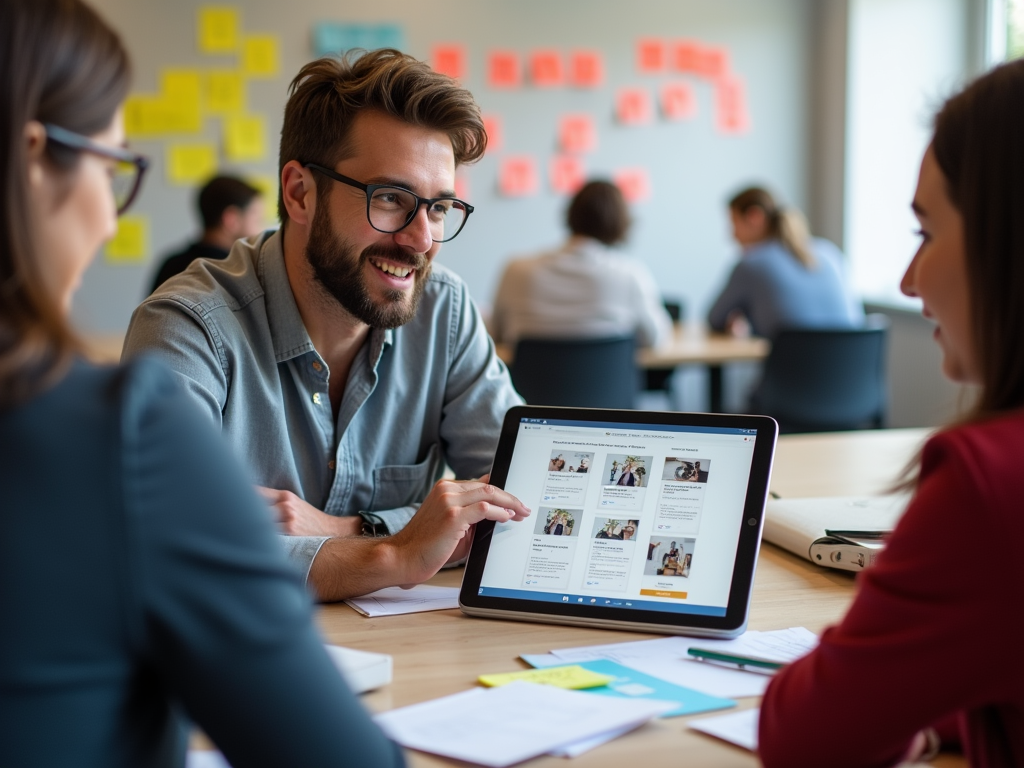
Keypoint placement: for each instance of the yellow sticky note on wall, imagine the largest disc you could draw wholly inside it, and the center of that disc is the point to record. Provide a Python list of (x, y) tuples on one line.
[(245, 137), (573, 677), (260, 57), (218, 29), (180, 92), (128, 246), (224, 92), (268, 186), (143, 116), (190, 163)]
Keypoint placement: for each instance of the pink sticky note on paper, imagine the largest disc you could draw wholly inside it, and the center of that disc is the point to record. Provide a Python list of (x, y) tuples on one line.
[(450, 59), (586, 69), (504, 70), (517, 176), (633, 106), (686, 56), (650, 55), (678, 101), (634, 183), (713, 63), (567, 174), (731, 116), (546, 70), (494, 127), (577, 133)]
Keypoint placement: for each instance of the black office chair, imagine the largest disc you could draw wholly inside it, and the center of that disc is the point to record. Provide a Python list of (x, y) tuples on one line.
[(588, 373), (826, 380)]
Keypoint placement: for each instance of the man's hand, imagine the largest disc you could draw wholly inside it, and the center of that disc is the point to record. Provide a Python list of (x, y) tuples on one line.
[(296, 517), (442, 528)]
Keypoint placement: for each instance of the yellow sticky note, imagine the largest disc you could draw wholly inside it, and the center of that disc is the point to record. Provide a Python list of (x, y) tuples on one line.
[(218, 29), (191, 163), (143, 116), (260, 57), (245, 137), (180, 84), (573, 676), (128, 246), (225, 91), (180, 92), (268, 186)]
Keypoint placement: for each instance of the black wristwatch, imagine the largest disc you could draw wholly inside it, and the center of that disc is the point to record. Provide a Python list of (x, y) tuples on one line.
[(373, 526)]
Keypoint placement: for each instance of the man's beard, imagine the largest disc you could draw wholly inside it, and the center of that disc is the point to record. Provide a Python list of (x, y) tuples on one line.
[(340, 272)]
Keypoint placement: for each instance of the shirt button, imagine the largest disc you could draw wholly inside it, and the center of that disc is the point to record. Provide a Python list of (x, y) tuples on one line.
[(316, 398), (331, 463), (317, 366)]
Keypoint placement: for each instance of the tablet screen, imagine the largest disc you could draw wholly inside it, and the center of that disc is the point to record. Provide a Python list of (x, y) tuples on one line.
[(630, 516)]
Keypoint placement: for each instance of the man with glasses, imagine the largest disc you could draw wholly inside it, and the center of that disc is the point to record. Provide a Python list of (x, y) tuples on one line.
[(344, 365)]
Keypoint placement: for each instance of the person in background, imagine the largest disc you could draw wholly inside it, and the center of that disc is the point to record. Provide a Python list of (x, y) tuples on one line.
[(142, 588), (785, 278), (230, 209), (924, 659), (585, 289)]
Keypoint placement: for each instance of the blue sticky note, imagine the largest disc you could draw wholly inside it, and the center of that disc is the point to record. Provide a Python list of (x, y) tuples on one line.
[(540, 660), (334, 37), (629, 684)]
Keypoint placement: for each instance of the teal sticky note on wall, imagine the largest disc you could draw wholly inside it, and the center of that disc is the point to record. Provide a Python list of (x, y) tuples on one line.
[(331, 37), (629, 683)]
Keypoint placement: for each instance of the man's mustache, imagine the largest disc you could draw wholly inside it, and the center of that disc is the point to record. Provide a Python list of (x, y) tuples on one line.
[(416, 261)]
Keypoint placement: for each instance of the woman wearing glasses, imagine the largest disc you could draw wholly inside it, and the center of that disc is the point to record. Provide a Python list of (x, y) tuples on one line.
[(927, 654), (128, 605)]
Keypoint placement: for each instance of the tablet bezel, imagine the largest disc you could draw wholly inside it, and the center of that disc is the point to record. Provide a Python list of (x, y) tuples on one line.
[(609, 617)]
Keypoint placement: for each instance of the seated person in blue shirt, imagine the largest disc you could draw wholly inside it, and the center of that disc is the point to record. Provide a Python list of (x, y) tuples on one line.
[(344, 366), (785, 278), (230, 208), (164, 597)]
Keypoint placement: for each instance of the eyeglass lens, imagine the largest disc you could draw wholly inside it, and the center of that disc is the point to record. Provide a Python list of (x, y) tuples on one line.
[(391, 208), (125, 183)]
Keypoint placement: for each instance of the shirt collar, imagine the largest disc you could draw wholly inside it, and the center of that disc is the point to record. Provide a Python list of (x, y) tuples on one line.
[(286, 327)]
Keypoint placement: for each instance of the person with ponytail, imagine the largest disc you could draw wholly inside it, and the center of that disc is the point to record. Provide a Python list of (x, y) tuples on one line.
[(142, 587), (786, 278), (929, 652)]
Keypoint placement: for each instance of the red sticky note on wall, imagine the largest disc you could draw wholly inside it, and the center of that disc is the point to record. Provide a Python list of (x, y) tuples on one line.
[(586, 69), (462, 185), (633, 106), (678, 101), (713, 63), (495, 130), (686, 56), (517, 176), (504, 70), (546, 70), (650, 55), (449, 59), (567, 174), (634, 183), (732, 115), (577, 133)]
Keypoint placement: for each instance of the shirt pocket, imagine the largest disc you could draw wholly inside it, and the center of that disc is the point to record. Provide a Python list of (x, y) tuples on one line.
[(404, 484)]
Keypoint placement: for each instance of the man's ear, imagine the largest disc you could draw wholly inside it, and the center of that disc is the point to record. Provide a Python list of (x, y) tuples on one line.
[(298, 189)]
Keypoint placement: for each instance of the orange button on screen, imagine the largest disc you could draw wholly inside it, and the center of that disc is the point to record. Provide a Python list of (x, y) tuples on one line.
[(663, 593)]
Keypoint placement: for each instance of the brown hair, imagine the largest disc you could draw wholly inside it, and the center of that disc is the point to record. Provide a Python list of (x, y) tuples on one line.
[(328, 93), (599, 211), (787, 225), (59, 64)]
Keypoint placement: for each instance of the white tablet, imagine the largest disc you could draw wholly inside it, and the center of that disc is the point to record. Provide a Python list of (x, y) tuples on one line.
[(648, 521)]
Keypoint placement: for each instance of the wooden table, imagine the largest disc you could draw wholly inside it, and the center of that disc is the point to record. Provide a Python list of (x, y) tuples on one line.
[(692, 344), (443, 652)]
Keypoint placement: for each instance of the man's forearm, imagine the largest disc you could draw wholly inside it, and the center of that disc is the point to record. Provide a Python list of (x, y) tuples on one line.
[(349, 567)]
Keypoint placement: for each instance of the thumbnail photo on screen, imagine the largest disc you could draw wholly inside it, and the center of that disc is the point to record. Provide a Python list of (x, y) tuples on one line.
[(686, 470), (625, 470), (570, 461), (554, 521), (669, 557), (613, 528)]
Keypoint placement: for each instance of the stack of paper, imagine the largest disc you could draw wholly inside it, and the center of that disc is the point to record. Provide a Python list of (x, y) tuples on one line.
[(739, 728), (362, 670), (503, 726), (395, 600)]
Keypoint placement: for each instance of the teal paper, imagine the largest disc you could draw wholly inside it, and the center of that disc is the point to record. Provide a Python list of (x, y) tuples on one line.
[(630, 684), (334, 37)]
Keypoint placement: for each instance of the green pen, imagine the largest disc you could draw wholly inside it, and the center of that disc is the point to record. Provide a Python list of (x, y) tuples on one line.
[(740, 661)]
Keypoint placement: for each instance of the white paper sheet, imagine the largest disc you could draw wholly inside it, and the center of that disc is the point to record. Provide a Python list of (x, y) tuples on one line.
[(198, 758), (739, 728), (395, 600), (502, 726)]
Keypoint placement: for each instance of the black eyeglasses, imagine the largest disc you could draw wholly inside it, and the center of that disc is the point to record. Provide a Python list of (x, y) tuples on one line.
[(390, 209), (129, 167)]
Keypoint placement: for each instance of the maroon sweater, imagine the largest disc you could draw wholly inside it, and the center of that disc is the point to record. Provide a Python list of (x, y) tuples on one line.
[(936, 630)]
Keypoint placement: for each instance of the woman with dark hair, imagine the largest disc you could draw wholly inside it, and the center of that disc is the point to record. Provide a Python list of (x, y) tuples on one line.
[(585, 289), (785, 278), (141, 582), (925, 656)]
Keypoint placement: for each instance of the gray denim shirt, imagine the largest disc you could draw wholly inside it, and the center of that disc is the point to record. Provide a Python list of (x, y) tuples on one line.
[(428, 393)]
